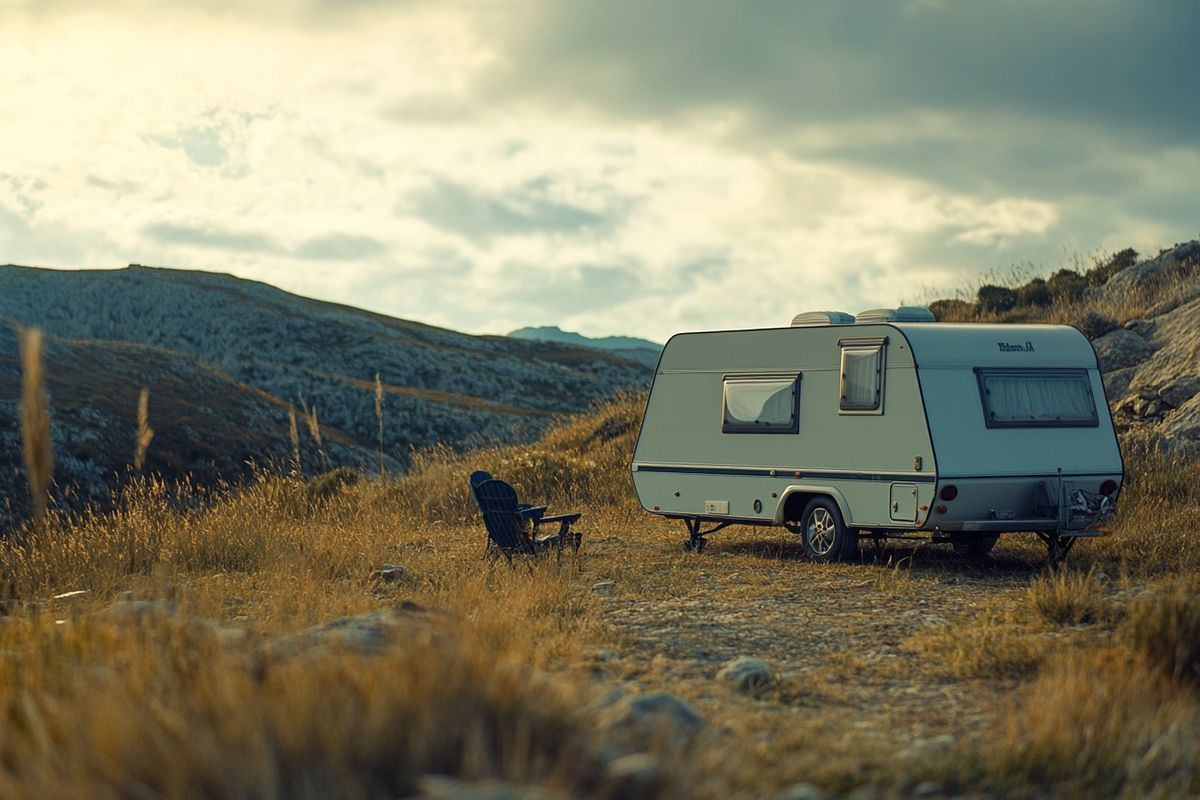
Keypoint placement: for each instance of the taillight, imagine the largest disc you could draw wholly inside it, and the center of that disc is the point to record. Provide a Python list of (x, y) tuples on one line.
[(941, 509), (948, 493), (1108, 487)]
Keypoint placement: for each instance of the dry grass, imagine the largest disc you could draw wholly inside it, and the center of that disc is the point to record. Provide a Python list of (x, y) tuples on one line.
[(1101, 724), (1164, 626), (144, 432), (496, 680), (1069, 597), (35, 422)]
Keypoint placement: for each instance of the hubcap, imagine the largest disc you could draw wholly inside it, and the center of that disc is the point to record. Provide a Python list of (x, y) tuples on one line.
[(821, 531)]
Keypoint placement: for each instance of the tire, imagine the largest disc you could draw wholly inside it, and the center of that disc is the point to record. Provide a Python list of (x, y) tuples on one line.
[(974, 546), (826, 537)]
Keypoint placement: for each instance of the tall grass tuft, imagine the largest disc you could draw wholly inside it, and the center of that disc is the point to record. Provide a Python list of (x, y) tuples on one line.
[(35, 422), (1069, 597), (314, 430), (294, 437), (1164, 626), (144, 433), (379, 416)]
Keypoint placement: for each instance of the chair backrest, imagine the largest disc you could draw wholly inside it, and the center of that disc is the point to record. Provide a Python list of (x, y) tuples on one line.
[(478, 477), (505, 527)]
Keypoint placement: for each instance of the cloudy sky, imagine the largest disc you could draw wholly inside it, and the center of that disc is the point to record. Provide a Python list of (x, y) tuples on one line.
[(610, 167)]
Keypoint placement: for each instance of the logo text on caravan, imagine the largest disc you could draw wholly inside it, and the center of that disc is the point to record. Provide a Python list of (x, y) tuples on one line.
[(1008, 347)]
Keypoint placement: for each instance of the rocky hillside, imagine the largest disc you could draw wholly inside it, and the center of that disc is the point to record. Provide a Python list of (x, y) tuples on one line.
[(225, 359), (1151, 359), (641, 350)]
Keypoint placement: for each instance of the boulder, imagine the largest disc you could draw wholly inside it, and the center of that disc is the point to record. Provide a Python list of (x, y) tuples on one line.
[(802, 791), (367, 633), (649, 721), (746, 673), (1120, 349), (1116, 383)]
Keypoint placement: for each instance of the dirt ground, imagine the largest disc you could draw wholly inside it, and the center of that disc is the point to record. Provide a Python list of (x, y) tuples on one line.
[(856, 698)]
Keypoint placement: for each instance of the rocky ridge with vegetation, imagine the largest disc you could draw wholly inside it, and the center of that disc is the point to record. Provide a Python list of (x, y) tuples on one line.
[(1143, 318), (226, 360)]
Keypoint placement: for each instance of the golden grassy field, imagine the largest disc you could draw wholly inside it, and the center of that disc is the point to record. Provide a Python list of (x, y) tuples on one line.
[(190, 665), (244, 643)]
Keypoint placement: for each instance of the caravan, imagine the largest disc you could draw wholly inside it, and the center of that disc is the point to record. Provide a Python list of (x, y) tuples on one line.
[(884, 424)]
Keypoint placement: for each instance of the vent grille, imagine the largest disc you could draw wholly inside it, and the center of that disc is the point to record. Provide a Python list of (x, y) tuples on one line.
[(901, 314), (823, 318)]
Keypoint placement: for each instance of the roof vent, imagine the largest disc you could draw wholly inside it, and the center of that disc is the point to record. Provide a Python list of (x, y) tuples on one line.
[(901, 314), (823, 318)]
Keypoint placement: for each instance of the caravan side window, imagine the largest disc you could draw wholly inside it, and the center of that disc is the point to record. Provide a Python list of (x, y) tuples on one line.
[(1033, 398), (861, 386), (761, 404)]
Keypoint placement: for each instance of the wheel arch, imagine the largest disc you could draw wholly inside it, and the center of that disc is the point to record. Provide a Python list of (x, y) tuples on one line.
[(795, 498)]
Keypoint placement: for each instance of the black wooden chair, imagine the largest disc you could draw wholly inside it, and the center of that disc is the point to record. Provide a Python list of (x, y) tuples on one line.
[(527, 509), (512, 530)]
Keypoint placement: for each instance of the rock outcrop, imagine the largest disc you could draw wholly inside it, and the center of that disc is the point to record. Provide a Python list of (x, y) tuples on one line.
[(1151, 364)]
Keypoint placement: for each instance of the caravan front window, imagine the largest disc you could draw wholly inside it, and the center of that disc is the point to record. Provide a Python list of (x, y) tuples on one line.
[(761, 404), (1021, 398)]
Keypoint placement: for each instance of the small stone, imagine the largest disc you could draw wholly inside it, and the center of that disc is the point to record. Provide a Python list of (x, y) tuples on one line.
[(802, 791), (926, 789), (864, 793), (633, 777), (606, 655), (604, 587), (746, 673), (1101, 577), (390, 573)]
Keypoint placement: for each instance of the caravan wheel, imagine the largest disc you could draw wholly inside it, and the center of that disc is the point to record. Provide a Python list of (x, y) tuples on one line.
[(826, 537)]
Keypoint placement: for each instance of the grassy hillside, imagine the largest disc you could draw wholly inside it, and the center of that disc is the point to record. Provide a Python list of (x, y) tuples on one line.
[(248, 647)]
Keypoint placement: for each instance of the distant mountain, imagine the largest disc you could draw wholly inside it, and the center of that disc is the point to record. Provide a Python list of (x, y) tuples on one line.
[(225, 359), (641, 350)]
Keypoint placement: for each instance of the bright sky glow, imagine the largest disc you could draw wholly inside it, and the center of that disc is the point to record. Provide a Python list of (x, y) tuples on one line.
[(610, 168)]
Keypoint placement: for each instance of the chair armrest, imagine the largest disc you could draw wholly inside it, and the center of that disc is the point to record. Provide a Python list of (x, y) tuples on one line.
[(567, 518), (535, 512)]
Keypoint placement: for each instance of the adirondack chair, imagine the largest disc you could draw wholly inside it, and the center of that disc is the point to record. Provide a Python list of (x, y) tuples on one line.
[(510, 531), (526, 509)]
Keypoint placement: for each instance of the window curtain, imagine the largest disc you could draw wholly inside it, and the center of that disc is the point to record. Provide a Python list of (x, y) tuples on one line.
[(764, 403), (860, 378), (1030, 398)]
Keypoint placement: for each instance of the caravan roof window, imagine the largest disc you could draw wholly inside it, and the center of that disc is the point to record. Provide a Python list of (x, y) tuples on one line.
[(1025, 398), (761, 404)]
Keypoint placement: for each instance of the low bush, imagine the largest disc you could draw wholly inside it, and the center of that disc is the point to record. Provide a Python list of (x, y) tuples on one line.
[(1035, 293), (1093, 325), (1164, 626), (996, 299), (1069, 597), (1067, 286), (1099, 724)]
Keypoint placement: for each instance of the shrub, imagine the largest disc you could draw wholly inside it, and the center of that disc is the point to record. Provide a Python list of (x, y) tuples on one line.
[(1164, 626), (1099, 275), (1068, 598), (1067, 286), (1035, 293), (952, 310), (1094, 325), (1099, 725), (996, 299)]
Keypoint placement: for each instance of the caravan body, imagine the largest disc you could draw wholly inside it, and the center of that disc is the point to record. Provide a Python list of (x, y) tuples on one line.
[(889, 426)]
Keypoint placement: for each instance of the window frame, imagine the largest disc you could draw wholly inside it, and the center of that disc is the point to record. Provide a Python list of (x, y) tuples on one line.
[(760, 377), (879, 346), (983, 373)]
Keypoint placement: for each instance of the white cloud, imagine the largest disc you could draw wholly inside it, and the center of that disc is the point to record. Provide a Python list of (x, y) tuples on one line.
[(358, 157)]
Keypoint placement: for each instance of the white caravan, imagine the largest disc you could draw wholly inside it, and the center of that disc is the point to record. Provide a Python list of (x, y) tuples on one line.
[(885, 424)]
